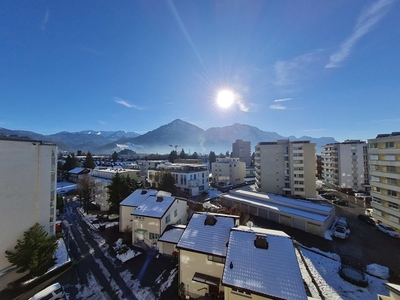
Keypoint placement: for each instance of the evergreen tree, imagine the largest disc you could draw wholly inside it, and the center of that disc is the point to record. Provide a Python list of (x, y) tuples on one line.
[(212, 158), (227, 153), (172, 156), (119, 188), (71, 162), (89, 161), (167, 183), (114, 156), (182, 154), (86, 190), (34, 253), (195, 155)]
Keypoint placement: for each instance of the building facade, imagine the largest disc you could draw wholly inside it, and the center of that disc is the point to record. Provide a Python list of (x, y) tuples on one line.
[(345, 165), (242, 150), (286, 168), (384, 169), (228, 171), (190, 179), (28, 174)]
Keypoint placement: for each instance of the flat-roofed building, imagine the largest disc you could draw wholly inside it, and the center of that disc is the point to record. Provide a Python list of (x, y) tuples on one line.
[(242, 150), (228, 171), (286, 168), (384, 171), (345, 165), (28, 174)]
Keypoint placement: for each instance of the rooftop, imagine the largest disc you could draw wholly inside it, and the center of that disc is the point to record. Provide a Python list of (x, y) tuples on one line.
[(137, 197), (273, 271), (155, 206), (207, 237), (172, 234)]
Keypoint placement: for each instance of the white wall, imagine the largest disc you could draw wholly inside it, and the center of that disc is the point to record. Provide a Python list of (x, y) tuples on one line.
[(27, 190)]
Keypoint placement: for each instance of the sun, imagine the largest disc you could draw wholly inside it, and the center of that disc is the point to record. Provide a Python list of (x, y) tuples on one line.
[(225, 98)]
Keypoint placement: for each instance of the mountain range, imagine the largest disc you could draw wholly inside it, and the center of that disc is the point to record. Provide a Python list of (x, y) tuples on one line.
[(175, 135)]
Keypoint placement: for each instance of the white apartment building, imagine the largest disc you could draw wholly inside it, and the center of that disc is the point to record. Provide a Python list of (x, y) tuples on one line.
[(28, 174), (384, 169), (145, 165), (242, 150), (286, 168), (228, 171), (189, 178), (345, 165)]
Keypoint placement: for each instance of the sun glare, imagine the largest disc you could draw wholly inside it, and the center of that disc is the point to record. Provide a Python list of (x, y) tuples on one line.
[(225, 98)]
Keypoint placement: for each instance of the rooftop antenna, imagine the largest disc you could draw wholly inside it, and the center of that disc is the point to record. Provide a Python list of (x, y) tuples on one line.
[(250, 224)]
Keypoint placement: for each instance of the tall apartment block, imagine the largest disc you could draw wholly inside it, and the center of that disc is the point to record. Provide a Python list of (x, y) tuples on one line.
[(345, 165), (28, 174), (286, 168), (384, 169), (228, 170), (242, 150)]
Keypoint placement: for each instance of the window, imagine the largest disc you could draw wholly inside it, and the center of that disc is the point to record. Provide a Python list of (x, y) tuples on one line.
[(374, 168), (217, 259), (389, 145), (175, 213), (298, 182), (392, 193), (373, 145), (375, 178), (373, 157), (391, 169), (297, 161), (393, 205), (168, 219), (139, 218), (376, 200), (390, 157), (391, 180), (299, 189), (153, 236)]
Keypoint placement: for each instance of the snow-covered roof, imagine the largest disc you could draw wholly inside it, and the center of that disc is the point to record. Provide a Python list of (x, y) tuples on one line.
[(137, 197), (173, 234), (299, 210), (76, 170), (210, 239), (271, 272), (154, 206), (65, 186)]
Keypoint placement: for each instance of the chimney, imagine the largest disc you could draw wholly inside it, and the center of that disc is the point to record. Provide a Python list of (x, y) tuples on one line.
[(160, 198), (261, 242), (143, 192), (210, 220)]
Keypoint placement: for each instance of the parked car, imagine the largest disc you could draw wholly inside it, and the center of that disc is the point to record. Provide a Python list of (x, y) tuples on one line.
[(340, 232), (366, 219), (341, 202), (328, 196), (342, 221), (359, 195), (388, 230), (52, 292)]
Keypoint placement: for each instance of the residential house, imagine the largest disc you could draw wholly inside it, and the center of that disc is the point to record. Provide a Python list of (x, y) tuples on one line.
[(189, 178), (202, 252), (169, 239), (154, 214), (77, 173), (27, 194), (129, 204), (261, 264)]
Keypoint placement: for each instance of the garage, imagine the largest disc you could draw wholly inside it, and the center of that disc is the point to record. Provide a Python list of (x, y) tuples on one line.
[(273, 216), (286, 220), (313, 228), (263, 213), (168, 248), (299, 224)]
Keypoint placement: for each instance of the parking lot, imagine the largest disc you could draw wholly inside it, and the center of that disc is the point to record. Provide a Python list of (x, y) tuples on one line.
[(364, 242)]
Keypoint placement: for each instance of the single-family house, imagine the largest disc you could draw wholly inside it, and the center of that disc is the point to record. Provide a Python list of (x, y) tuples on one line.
[(261, 264), (77, 173), (154, 214), (202, 251), (129, 204)]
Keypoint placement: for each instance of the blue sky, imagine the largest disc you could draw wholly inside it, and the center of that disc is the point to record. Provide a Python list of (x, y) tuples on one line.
[(317, 68)]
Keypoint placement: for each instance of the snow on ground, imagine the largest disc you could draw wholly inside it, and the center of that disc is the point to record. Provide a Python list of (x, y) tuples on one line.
[(92, 291), (61, 255), (168, 282), (119, 248), (141, 293), (323, 275)]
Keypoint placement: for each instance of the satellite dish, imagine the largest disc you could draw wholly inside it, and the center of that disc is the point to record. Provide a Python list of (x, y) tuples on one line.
[(250, 224)]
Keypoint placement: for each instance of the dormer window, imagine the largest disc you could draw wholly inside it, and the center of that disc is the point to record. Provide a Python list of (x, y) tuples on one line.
[(261, 242), (210, 220)]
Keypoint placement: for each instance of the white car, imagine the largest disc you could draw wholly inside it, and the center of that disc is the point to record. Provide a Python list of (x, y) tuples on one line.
[(340, 232), (388, 230)]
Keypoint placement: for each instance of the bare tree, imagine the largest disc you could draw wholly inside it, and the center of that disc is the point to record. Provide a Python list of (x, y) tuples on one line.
[(86, 191)]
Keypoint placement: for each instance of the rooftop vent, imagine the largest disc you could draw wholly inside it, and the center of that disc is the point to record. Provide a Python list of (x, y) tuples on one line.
[(261, 242), (160, 198), (143, 192), (210, 220)]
